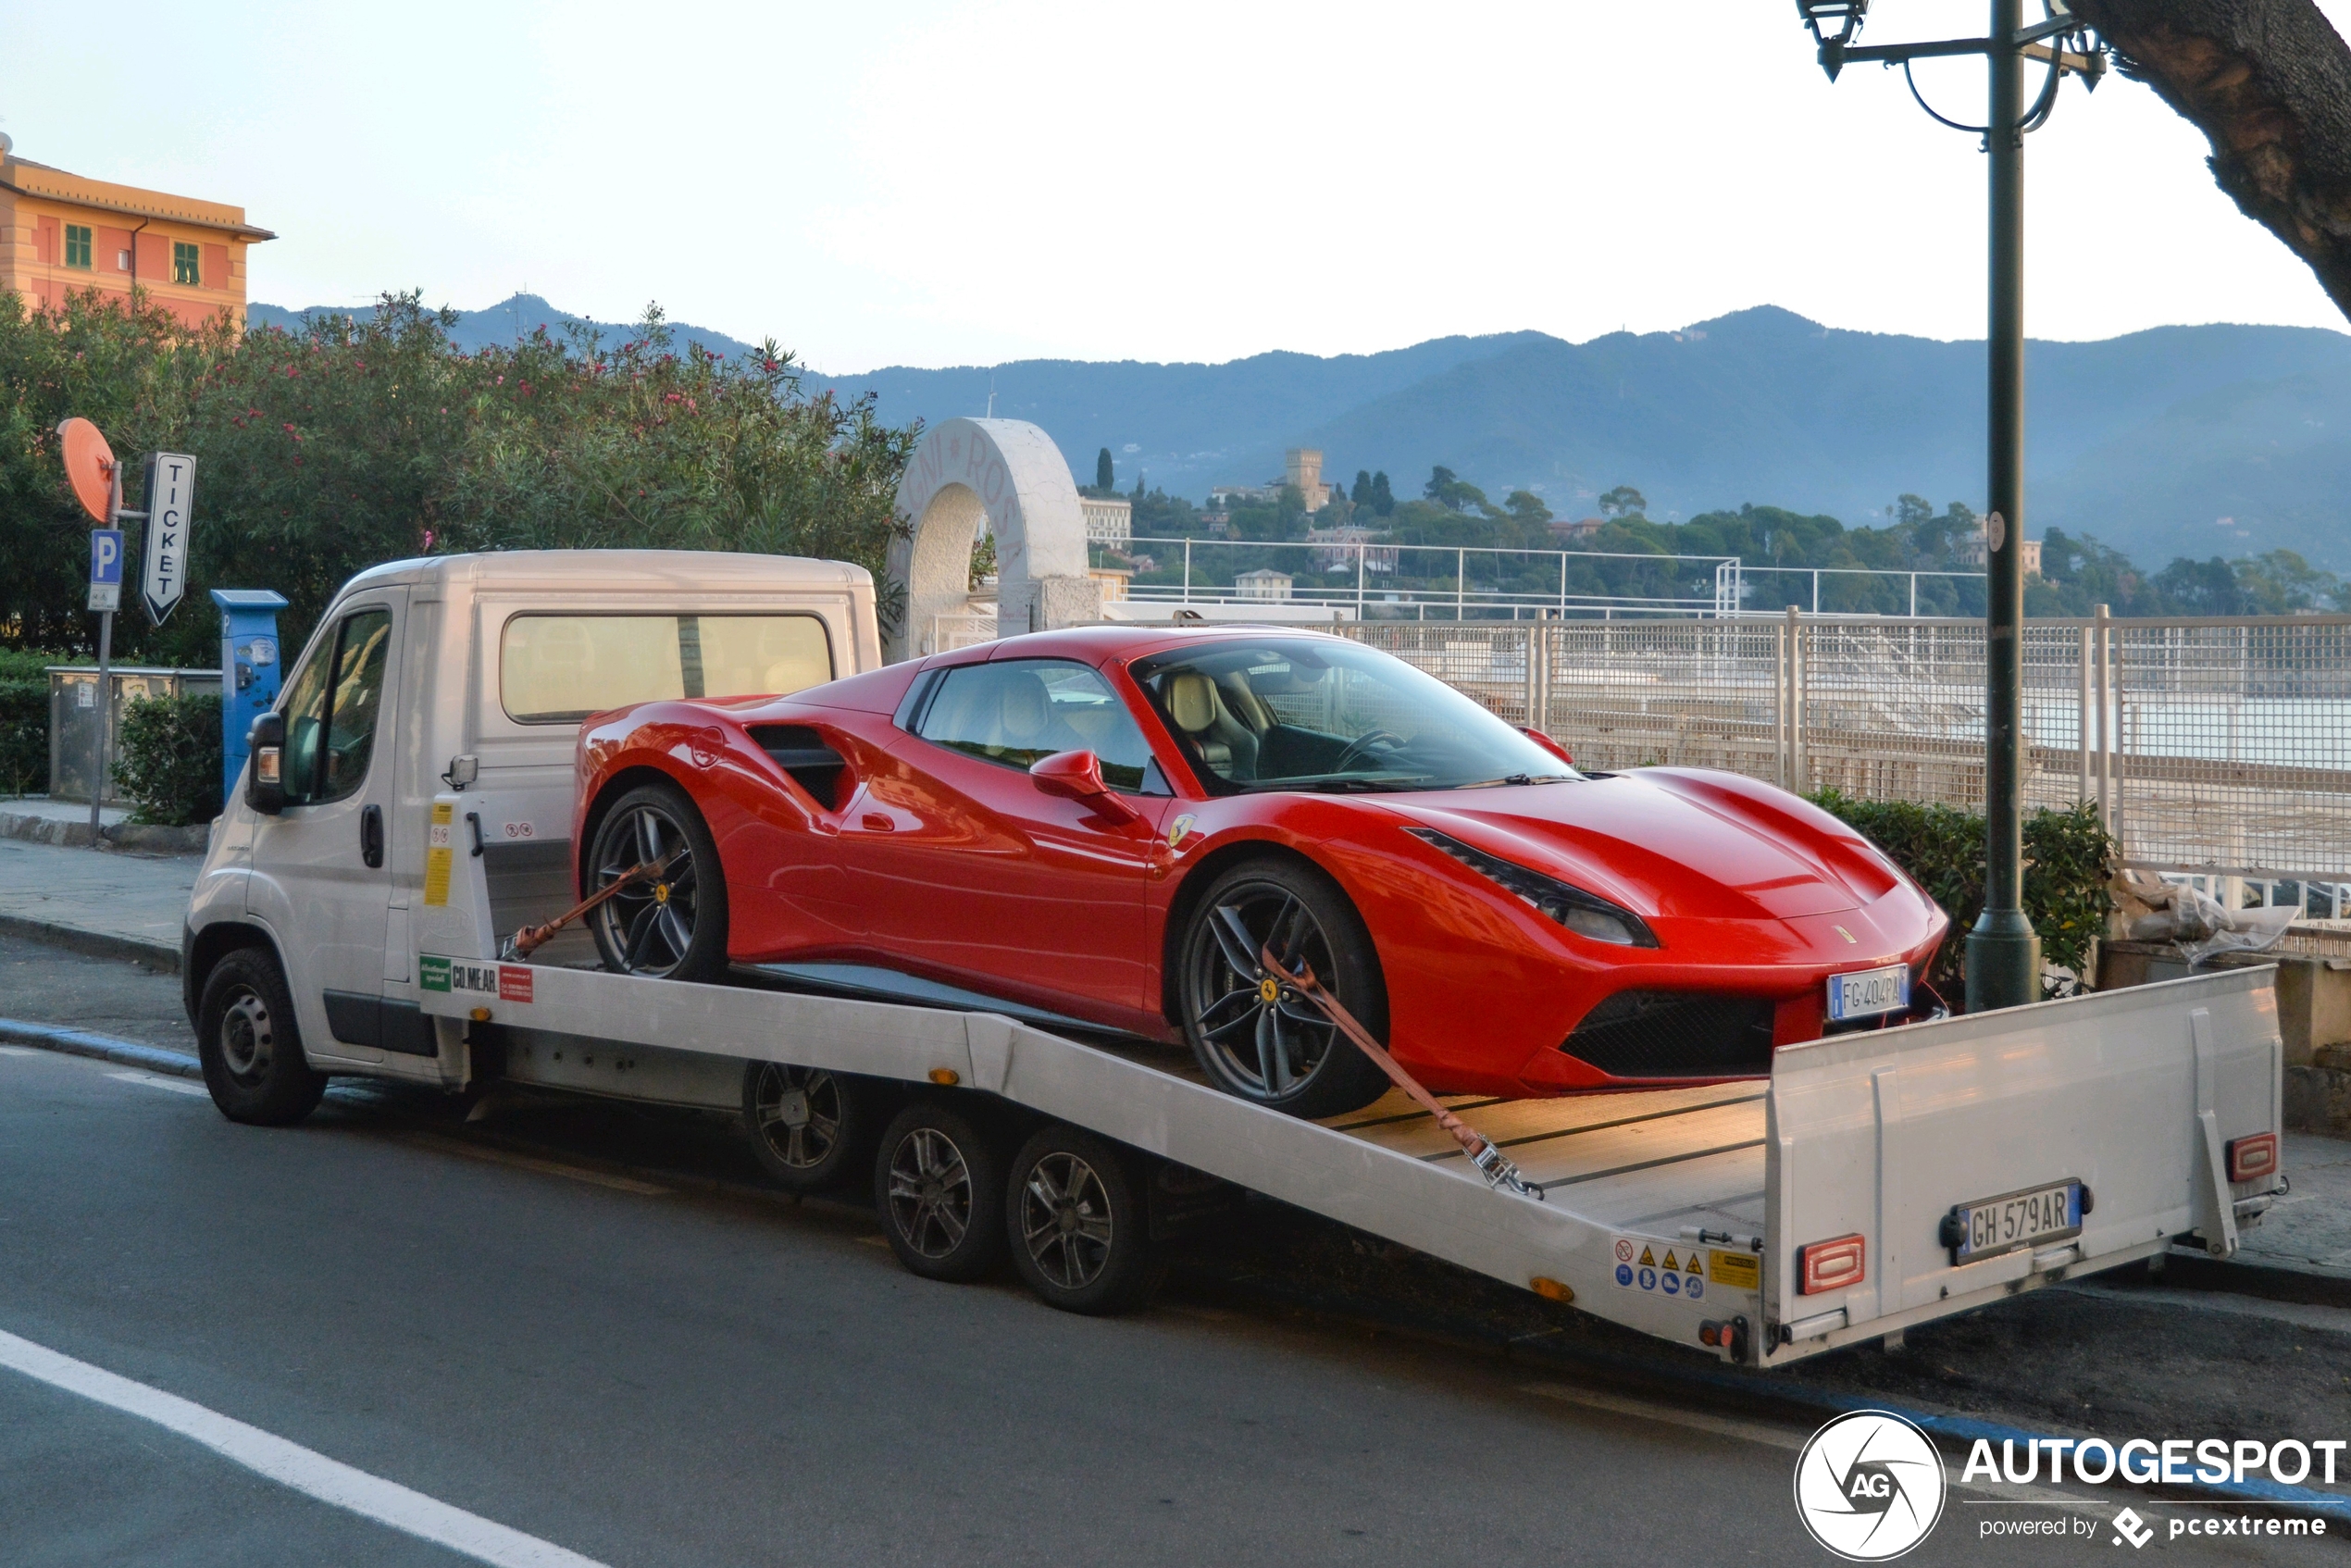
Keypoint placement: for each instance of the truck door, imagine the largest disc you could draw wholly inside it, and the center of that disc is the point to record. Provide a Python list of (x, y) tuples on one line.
[(324, 862)]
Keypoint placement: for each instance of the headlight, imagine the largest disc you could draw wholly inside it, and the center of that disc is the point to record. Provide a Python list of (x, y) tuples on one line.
[(1586, 915)]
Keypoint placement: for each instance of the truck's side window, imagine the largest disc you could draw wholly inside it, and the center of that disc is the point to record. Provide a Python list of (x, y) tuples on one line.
[(331, 714), (559, 670)]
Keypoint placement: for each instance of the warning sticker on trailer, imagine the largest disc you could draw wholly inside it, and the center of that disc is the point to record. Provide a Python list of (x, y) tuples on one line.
[(1735, 1271), (1661, 1270)]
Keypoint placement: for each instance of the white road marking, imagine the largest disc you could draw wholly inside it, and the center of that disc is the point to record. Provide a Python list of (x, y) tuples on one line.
[(177, 1086), (293, 1465)]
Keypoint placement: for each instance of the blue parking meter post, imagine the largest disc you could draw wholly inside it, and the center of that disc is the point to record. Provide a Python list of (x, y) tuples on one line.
[(250, 669)]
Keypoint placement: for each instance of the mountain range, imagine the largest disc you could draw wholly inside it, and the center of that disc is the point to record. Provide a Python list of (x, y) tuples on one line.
[(2198, 440)]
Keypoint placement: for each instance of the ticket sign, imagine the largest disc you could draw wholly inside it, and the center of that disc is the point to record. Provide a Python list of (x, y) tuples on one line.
[(171, 495), (106, 568)]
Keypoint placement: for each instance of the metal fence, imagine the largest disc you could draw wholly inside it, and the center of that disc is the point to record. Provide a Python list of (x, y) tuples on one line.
[(2215, 746)]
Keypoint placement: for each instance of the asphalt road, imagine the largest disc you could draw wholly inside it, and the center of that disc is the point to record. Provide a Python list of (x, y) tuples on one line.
[(669, 1369)]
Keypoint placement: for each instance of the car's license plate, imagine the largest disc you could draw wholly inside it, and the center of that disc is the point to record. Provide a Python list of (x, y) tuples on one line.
[(1991, 1226), (1865, 993)]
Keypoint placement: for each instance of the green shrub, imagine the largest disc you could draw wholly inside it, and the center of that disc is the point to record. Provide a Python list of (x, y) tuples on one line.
[(24, 735), (2067, 859), (170, 762)]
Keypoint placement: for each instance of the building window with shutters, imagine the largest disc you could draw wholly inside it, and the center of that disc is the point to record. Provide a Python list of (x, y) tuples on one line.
[(183, 264), (78, 246)]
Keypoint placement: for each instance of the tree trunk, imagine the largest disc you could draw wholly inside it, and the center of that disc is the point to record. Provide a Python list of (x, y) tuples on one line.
[(2269, 81)]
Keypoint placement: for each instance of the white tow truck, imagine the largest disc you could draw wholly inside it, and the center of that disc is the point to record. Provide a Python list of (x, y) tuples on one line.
[(408, 812)]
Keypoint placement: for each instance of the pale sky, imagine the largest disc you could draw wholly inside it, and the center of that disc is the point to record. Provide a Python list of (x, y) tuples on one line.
[(936, 183)]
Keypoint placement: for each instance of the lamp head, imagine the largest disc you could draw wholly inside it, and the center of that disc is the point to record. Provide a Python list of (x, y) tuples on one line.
[(1834, 23)]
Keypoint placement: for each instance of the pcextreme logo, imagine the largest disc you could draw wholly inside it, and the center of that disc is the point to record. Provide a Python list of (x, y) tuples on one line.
[(1869, 1485)]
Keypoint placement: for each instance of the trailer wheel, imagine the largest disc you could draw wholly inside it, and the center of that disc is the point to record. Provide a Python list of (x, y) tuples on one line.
[(935, 1184), (809, 1127), (250, 1046), (1080, 1235)]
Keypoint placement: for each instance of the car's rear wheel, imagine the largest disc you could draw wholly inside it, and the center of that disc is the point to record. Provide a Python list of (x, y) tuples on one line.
[(672, 925), (1256, 1037)]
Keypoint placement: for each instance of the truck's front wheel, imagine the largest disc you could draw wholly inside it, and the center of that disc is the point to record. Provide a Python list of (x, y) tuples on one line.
[(250, 1046)]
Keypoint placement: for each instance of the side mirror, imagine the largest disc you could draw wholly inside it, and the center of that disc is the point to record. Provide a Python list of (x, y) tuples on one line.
[(1077, 775), (265, 777), (1547, 743)]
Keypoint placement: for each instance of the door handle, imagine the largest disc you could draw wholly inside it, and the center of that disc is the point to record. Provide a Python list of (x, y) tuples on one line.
[(371, 836)]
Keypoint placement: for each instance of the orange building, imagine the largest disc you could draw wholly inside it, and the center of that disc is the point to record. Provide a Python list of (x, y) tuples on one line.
[(61, 234)]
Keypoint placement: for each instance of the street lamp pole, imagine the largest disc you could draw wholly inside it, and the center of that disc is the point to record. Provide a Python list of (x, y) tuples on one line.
[(2003, 954)]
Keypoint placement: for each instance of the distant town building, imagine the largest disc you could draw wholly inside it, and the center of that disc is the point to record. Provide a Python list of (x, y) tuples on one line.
[(1335, 550), (1219, 523), (62, 233), (1581, 529), (1263, 583), (1975, 550), (1109, 519), (1301, 470)]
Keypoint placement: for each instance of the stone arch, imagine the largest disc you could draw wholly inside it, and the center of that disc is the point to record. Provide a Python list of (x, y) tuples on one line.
[(1008, 474)]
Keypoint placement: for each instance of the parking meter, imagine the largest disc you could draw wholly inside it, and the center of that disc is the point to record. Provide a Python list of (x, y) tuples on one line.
[(250, 671)]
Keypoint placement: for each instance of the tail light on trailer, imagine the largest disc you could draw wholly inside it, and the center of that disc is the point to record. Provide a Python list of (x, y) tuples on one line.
[(2252, 1157), (1835, 1264)]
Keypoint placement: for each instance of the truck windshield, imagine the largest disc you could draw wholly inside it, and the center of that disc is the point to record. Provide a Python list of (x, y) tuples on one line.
[(1300, 713), (559, 670)]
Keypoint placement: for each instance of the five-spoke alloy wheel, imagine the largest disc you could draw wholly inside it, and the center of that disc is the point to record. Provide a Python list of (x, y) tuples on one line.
[(672, 923), (1257, 1037)]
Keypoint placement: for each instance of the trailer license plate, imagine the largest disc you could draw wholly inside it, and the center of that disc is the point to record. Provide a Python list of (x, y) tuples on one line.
[(1991, 1226), (1865, 993)]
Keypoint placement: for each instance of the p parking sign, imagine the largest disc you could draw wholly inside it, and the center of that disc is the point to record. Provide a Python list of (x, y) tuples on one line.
[(106, 568)]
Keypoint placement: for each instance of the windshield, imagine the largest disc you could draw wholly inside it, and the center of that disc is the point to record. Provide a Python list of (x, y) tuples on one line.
[(1294, 713)]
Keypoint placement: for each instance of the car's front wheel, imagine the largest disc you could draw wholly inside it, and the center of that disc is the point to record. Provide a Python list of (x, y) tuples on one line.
[(1256, 1037)]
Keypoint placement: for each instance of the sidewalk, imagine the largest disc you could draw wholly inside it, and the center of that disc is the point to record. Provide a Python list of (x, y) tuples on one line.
[(44, 821), (117, 903)]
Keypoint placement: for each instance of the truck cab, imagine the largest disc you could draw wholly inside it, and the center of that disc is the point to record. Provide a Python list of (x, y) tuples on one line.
[(472, 673)]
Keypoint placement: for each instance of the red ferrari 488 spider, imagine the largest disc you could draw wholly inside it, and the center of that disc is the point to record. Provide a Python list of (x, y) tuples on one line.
[(1110, 825)]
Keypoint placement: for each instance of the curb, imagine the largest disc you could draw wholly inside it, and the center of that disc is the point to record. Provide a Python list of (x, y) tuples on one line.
[(122, 835), (97, 944), (105, 1047)]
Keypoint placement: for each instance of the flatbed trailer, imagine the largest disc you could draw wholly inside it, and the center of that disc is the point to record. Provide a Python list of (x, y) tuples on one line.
[(1764, 1220)]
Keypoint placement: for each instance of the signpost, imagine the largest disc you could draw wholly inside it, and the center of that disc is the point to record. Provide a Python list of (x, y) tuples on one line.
[(171, 493), (96, 477)]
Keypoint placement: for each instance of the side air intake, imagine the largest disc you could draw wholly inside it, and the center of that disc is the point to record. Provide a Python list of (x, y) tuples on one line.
[(805, 758)]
